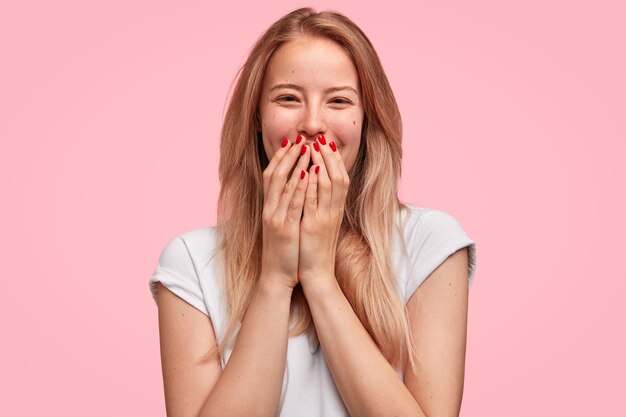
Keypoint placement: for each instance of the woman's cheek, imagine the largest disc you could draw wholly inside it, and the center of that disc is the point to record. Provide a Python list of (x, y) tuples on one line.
[(348, 135)]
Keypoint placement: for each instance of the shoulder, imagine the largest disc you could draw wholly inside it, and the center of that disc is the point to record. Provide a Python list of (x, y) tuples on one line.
[(427, 219), (193, 244), (199, 237), (431, 235), (184, 265), (200, 240), (428, 223)]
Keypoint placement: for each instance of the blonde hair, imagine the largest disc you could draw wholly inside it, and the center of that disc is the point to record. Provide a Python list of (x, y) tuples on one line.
[(363, 266)]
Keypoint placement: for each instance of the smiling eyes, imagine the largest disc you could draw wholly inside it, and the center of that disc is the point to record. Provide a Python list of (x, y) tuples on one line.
[(335, 100)]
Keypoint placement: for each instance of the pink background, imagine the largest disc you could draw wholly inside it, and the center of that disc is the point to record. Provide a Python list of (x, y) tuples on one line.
[(514, 121)]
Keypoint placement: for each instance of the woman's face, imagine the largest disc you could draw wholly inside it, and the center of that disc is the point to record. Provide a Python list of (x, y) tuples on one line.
[(311, 87)]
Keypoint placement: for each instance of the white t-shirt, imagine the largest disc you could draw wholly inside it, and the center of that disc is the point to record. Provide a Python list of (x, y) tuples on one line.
[(189, 268)]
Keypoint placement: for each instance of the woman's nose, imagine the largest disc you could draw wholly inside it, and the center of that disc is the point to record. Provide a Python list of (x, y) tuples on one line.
[(312, 123)]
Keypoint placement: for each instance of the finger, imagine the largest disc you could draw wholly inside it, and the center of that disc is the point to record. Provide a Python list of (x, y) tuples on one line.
[(294, 211), (287, 208), (339, 178), (323, 182), (278, 155), (310, 203), (278, 179)]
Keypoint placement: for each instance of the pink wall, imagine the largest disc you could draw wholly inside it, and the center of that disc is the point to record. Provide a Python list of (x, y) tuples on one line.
[(514, 121)]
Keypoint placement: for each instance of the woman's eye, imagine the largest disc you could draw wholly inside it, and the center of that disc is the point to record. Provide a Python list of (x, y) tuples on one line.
[(291, 99)]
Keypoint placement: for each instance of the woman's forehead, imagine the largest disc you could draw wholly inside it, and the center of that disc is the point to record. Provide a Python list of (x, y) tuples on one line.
[(311, 61)]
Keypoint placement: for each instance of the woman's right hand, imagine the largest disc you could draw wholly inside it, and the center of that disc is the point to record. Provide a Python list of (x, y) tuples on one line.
[(282, 212)]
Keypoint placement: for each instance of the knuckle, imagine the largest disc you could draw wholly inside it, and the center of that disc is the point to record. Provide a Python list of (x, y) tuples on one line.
[(276, 224), (294, 205), (280, 172), (288, 187)]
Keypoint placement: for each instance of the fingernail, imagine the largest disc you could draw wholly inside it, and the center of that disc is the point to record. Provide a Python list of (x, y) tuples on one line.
[(302, 175), (316, 146), (333, 146), (303, 150), (317, 169), (322, 139), (285, 142), (298, 139)]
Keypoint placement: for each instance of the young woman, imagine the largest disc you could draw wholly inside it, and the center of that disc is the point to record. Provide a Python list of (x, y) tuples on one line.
[(318, 293)]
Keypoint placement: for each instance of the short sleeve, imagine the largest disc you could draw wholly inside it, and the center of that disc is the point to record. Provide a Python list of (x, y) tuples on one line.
[(176, 271), (437, 236)]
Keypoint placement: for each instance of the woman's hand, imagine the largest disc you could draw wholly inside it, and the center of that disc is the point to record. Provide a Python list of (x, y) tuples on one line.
[(323, 213), (282, 210)]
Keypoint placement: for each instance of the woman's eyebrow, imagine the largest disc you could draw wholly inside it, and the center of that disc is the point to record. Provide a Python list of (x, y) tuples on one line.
[(328, 90)]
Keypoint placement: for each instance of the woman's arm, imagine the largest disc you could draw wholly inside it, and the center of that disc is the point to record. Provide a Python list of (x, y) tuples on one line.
[(186, 335), (252, 379), (368, 384), (438, 317)]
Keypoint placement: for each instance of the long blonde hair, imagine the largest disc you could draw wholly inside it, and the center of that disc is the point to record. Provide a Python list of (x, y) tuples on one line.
[(363, 266)]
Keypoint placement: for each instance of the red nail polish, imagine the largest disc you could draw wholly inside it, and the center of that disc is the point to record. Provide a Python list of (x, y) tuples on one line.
[(302, 175), (316, 146), (298, 139), (317, 169), (322, 139), (303, 150), (333, 146), (285, 142)]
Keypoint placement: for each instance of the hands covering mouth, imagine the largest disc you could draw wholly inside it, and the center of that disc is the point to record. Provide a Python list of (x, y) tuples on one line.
[(303, 212)]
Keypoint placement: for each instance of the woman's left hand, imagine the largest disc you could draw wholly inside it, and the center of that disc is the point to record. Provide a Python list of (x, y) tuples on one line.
[(323, 213)]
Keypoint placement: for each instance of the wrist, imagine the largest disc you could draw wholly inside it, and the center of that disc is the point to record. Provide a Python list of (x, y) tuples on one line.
[(273, 288), (320, 286)]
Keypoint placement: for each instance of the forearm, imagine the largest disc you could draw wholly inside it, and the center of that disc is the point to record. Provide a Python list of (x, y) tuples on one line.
[(368, 384), (251, 382)]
